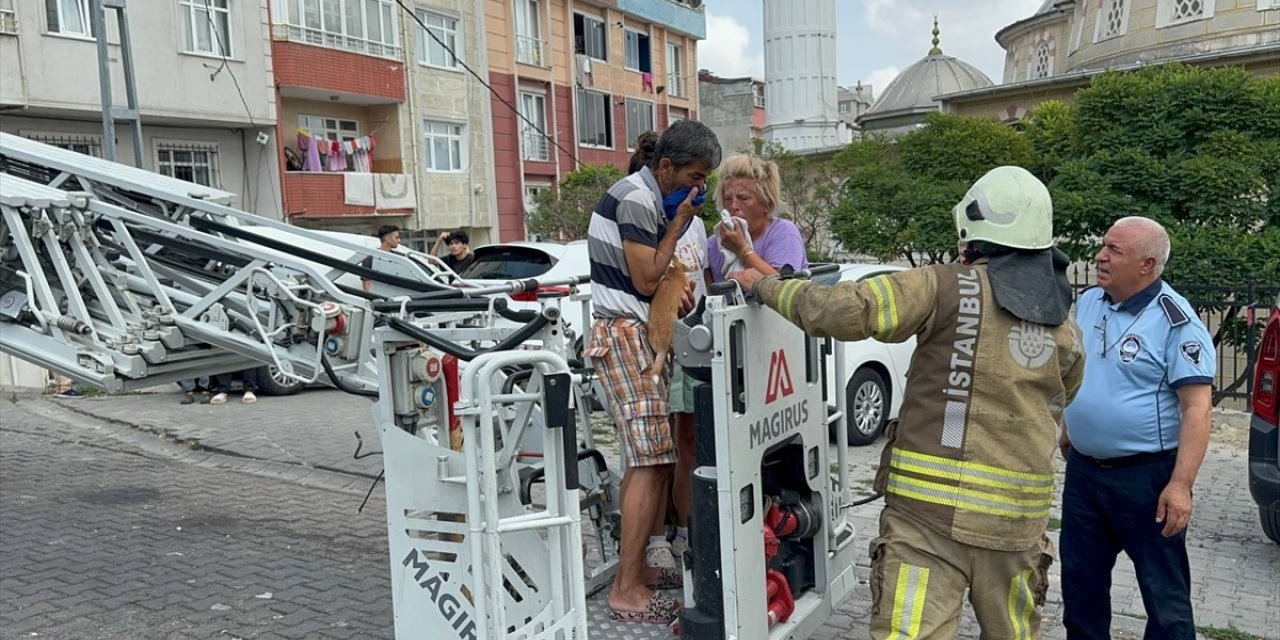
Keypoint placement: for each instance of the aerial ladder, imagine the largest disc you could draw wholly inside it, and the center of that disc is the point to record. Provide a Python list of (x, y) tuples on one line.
[(121, 278)]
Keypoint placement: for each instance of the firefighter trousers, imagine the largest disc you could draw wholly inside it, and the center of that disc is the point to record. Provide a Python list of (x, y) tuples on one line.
[(919, 578)]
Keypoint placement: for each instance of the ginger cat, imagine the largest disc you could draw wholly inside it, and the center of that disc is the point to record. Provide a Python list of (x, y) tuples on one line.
[(663, 313)]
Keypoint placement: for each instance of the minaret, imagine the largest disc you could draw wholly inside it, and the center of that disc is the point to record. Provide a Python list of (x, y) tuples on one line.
[(801, 99)]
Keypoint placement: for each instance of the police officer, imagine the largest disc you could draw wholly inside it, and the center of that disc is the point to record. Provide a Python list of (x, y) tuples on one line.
[(968, 470), (1134, 438)]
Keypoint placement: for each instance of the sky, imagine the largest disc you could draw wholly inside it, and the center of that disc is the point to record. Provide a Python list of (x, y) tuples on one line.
[(875, 39)]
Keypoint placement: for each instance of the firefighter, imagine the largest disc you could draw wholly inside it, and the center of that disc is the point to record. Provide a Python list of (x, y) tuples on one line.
[(967, 472)]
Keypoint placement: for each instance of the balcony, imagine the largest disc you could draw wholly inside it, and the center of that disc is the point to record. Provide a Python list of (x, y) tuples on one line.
[(533, 145), (322, 38), (676, 86), (530, 51), (684, 16), (332, 71), (337, 194)]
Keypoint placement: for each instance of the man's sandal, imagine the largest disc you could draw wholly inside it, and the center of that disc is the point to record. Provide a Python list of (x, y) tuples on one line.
[(662, 609)]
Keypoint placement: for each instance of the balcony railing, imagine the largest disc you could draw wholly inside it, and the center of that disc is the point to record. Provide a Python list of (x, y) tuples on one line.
[(533, 145), (529, 50), (309, 35), (8, 21), (676, 86)]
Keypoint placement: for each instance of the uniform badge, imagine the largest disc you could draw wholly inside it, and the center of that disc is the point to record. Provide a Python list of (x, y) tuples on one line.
[(1129, 348), (1193, 352)]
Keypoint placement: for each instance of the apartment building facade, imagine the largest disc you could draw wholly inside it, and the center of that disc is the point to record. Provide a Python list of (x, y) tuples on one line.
[(379, 121), (734, 108), (203, 79), (591, 75), (204, 87)]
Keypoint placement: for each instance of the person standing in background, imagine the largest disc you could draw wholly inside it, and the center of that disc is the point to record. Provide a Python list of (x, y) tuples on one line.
[(1134, 438), (460, 256), (388, 240)]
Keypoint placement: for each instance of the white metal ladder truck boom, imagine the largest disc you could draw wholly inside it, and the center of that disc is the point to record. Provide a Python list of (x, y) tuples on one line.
[(122, 278)]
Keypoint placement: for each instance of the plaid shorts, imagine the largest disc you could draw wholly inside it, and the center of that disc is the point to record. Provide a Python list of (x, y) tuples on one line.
[(619, 350)]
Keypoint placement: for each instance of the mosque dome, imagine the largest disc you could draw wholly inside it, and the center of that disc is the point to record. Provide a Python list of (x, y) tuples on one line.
[(912, 92)]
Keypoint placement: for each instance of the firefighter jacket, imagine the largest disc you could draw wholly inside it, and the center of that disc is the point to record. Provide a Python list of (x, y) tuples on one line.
[(972, 453)]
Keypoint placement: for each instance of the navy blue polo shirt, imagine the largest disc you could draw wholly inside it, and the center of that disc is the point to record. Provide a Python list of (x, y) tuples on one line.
[(1137, 354)]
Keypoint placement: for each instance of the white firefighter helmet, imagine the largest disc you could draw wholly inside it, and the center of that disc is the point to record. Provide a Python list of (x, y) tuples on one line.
[(1008, 206)]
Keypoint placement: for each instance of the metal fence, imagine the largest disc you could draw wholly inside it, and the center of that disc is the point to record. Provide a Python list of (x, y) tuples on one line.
[(1235, 316)]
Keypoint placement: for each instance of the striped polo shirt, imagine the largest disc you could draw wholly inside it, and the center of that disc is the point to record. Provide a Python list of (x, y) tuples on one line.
[(630, 210)]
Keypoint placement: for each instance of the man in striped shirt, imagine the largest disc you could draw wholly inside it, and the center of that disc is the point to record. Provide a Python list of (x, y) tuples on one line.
[(631, 240)]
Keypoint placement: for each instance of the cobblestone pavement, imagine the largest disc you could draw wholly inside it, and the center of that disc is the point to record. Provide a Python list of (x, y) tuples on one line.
[(1236, 573), (102, 539)]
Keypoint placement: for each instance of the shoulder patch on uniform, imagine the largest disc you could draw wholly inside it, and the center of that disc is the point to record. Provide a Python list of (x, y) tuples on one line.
[(1192, 351), (1177, 317)]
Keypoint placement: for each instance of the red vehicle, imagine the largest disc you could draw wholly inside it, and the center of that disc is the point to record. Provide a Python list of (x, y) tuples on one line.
[(1264, 432)]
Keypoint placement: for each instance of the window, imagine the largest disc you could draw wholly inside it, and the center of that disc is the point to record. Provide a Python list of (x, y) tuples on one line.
[(1042, 61), (363, 26), (1264, 5), (1113, 21), (531, 192), (430, 50), (533, 144), (637, 52), (446, 150), (196, 163), (1172, 12), (90, 145), (68, 17), (8, 19), (590, 37), (675, 70), (330, 128), (206, 26), (528, 33), (757, 91), (1078, 26), (595, 119), (639, 120)]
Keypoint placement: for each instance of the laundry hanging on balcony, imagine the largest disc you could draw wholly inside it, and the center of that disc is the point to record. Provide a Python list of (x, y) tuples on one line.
[(358, 189), (394, 191), (322, 154), (646, 82)]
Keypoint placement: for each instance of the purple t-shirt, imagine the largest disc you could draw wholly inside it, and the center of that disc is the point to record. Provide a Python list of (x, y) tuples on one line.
[(780, 245)]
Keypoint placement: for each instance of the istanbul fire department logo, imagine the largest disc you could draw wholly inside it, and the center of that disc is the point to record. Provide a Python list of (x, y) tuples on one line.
[(780, 385), (1031, 344)]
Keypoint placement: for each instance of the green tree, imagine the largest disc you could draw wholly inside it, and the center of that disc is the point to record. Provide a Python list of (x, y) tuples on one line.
[(564, 214), (1196, 149), (897, 199), (810, 191)]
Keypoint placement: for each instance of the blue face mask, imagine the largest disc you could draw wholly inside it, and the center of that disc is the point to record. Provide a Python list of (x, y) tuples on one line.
[(671, 202)]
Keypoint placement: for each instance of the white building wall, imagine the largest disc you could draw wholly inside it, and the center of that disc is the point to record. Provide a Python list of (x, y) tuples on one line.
[(20, 374), (60, 72), (800, 74)]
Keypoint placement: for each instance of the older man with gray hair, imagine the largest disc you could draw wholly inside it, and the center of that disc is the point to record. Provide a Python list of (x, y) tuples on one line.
[(1134, 438)]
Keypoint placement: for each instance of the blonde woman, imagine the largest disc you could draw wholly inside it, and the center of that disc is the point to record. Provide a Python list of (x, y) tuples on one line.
[(749, 188)]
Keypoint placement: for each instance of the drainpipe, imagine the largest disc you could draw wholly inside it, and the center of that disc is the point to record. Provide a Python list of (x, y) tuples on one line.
[(411, 71), (486, 112), (553, 122)]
